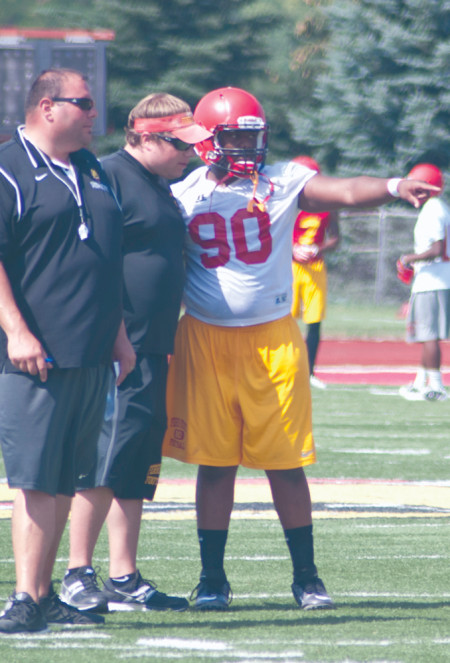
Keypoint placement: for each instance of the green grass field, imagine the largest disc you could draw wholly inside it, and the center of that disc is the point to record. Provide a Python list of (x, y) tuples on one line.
[(363, 321), (386, 564)]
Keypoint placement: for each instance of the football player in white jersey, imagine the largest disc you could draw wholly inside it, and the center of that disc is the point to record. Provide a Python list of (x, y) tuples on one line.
[(238, 391)]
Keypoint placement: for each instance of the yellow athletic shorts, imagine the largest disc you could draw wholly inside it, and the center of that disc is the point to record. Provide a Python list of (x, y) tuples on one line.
[(309, 295), (239, 396)]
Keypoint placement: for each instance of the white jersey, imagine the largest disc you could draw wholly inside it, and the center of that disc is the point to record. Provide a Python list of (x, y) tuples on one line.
[(433, 224), (239, 262)]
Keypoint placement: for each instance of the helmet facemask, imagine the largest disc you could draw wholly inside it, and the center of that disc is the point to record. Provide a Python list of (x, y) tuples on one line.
[(242, 161)]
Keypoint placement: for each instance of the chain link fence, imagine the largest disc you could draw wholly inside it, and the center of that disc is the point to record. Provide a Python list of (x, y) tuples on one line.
[(362, 268)]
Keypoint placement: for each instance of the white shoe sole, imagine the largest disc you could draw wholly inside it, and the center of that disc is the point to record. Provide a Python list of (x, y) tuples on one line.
[(315, 382), (411, 395)]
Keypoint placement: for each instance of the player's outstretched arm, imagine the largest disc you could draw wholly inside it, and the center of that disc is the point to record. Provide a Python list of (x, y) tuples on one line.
[(322, 193)]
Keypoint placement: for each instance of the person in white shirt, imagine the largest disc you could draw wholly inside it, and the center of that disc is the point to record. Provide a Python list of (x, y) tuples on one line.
[(428, 320)]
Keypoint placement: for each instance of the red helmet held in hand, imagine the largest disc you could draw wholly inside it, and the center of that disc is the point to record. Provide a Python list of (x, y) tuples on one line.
[(404, 272)]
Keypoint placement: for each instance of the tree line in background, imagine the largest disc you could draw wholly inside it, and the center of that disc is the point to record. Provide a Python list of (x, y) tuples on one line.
[(362, 85)]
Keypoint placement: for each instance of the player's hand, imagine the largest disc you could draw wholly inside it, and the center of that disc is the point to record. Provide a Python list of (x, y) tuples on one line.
[(416, 192), (405, 259), (27, 354), (304, 253)]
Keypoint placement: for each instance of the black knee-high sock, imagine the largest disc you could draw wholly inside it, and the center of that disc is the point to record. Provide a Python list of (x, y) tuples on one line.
[(212, 552), (301, 547), (312, 343)]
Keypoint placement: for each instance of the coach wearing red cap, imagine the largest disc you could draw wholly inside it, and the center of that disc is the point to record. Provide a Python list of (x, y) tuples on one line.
[(428, 320)]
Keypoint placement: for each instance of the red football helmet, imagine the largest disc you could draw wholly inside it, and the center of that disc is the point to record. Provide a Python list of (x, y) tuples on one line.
[(427, 172), (230, 109), (404, 272), (309, 162)]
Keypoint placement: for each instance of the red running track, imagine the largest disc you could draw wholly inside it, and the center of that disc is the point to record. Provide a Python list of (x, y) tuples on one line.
[(373, 362)]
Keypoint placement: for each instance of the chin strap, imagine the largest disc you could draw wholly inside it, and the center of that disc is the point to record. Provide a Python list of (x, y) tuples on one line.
[(254, 202)]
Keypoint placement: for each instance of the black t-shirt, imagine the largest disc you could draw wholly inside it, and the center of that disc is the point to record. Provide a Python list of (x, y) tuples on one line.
[(69, 291), (153, 245)]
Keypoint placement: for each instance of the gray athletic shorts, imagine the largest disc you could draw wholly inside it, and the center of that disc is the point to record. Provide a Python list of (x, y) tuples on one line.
[(428, 316), (129, 447), (49, 430)]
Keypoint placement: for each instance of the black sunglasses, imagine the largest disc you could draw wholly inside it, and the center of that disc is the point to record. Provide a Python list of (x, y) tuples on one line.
[(84, 103), (176, 142)]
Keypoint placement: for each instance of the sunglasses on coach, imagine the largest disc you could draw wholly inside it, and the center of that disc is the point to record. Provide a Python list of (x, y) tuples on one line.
[(176, 142), (83, 103)]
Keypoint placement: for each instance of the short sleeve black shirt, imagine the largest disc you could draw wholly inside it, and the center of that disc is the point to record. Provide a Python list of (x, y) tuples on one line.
[(69, 291), (153, 245)]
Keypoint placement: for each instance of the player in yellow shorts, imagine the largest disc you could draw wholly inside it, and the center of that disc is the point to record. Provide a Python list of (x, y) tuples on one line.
[(314, 234), (238, 388), (263, 371)]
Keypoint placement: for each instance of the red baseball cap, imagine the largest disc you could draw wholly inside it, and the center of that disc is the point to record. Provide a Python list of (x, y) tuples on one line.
[(427, 172), (182, 126)]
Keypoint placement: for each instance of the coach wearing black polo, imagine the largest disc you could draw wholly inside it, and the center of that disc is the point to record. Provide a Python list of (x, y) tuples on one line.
[(61, 320)]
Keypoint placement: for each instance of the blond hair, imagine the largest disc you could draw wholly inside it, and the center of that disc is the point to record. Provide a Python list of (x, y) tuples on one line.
[(158, 104)]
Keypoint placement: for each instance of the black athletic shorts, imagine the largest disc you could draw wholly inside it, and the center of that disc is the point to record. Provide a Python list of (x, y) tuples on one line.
[(129, 447), (49, 430)]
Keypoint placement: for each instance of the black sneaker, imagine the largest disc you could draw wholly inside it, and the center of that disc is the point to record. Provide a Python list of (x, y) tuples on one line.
[(57, 612), (312, 595), (132, 592), (79, 589), (22, 615), (212, 594)]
